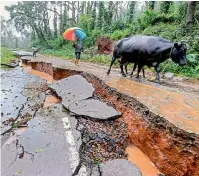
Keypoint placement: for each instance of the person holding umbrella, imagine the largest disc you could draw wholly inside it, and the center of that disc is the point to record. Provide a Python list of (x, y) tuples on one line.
[(76, 35), (78, 49)]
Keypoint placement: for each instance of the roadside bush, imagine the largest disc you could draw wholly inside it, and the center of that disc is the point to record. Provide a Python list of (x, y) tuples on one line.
[(190, 70), (6, 55), (119, 34)]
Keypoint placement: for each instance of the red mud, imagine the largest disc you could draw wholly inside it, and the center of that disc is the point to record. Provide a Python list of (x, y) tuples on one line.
[(104, 45), (172, 150)]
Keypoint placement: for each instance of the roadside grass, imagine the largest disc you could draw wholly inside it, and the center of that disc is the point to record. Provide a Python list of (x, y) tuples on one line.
[(6, 55)]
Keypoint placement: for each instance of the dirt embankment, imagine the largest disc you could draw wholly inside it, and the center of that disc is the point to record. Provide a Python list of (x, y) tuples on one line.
[(173, 150)]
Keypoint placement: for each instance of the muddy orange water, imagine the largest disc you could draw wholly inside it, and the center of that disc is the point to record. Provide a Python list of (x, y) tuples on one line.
[(42, 75), (51, 100), (137, 157), (180, 109)]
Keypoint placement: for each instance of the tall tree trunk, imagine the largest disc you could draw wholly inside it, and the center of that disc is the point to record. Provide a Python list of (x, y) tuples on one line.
[(152, 5), (93, 15), (116, 10), (16, 42), (73, 13), (60, 19), (78, 13), (65, 16), (82, 7), (55, 21), (190, 14)]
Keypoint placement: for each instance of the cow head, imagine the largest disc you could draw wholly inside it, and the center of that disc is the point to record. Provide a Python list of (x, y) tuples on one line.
[(178, 53)]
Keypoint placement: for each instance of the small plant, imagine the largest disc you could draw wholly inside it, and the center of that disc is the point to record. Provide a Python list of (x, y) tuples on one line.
[(15, 125)]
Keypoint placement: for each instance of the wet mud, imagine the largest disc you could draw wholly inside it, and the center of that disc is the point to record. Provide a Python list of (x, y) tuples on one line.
[(136, 156), (180, 109), (51, 100)]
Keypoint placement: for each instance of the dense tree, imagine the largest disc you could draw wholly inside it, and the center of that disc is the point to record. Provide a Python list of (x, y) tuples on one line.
[(47, 20), (165, 5), (93, 15), (190, 14), (60, 18), (131, 11), (65, 17), (100, 19)]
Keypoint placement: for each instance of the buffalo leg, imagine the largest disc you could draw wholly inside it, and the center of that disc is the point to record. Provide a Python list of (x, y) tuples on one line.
[(138, 72), (134, 67), (112, 62), (122, 70), (157, 69), (143, 72), (126, 68)]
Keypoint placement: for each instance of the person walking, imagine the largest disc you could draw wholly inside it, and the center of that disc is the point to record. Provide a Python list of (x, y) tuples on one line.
[(78, 49), (35, 50)]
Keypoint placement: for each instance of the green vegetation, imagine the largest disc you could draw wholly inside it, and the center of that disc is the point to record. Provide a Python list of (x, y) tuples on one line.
[(6, 55), (172, 20)]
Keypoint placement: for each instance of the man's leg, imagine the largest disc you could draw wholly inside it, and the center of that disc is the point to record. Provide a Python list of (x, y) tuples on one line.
[(75, 58), (78, 57)]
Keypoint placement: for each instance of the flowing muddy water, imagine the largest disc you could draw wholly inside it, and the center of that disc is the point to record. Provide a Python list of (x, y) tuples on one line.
[(41, 75), (137, 157)]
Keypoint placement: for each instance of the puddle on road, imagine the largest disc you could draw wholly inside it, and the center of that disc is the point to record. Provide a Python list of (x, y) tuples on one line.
[(51, 100), (137, 157), (179, 109), (42, 75)]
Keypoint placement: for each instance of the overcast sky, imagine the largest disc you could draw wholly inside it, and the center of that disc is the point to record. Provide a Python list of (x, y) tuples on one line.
[(2, 8)]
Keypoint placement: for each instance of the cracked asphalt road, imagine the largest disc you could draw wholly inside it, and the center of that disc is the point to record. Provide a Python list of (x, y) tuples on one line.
[(42, 149)]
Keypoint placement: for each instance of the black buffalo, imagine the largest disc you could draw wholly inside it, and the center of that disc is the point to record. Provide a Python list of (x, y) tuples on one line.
[(150, 51)]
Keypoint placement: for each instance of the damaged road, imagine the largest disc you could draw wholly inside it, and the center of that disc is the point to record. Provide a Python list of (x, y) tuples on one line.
[(44, 138)]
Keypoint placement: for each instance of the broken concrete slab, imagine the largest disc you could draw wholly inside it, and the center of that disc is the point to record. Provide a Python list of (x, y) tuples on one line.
[(94, 109), (72, 89), (117, 167)]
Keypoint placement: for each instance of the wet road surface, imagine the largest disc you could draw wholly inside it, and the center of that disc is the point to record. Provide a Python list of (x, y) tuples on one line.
[(42, 147)]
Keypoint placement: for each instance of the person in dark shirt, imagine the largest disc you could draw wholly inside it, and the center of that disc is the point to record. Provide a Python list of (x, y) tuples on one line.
[(35, 50), (78, 49)]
